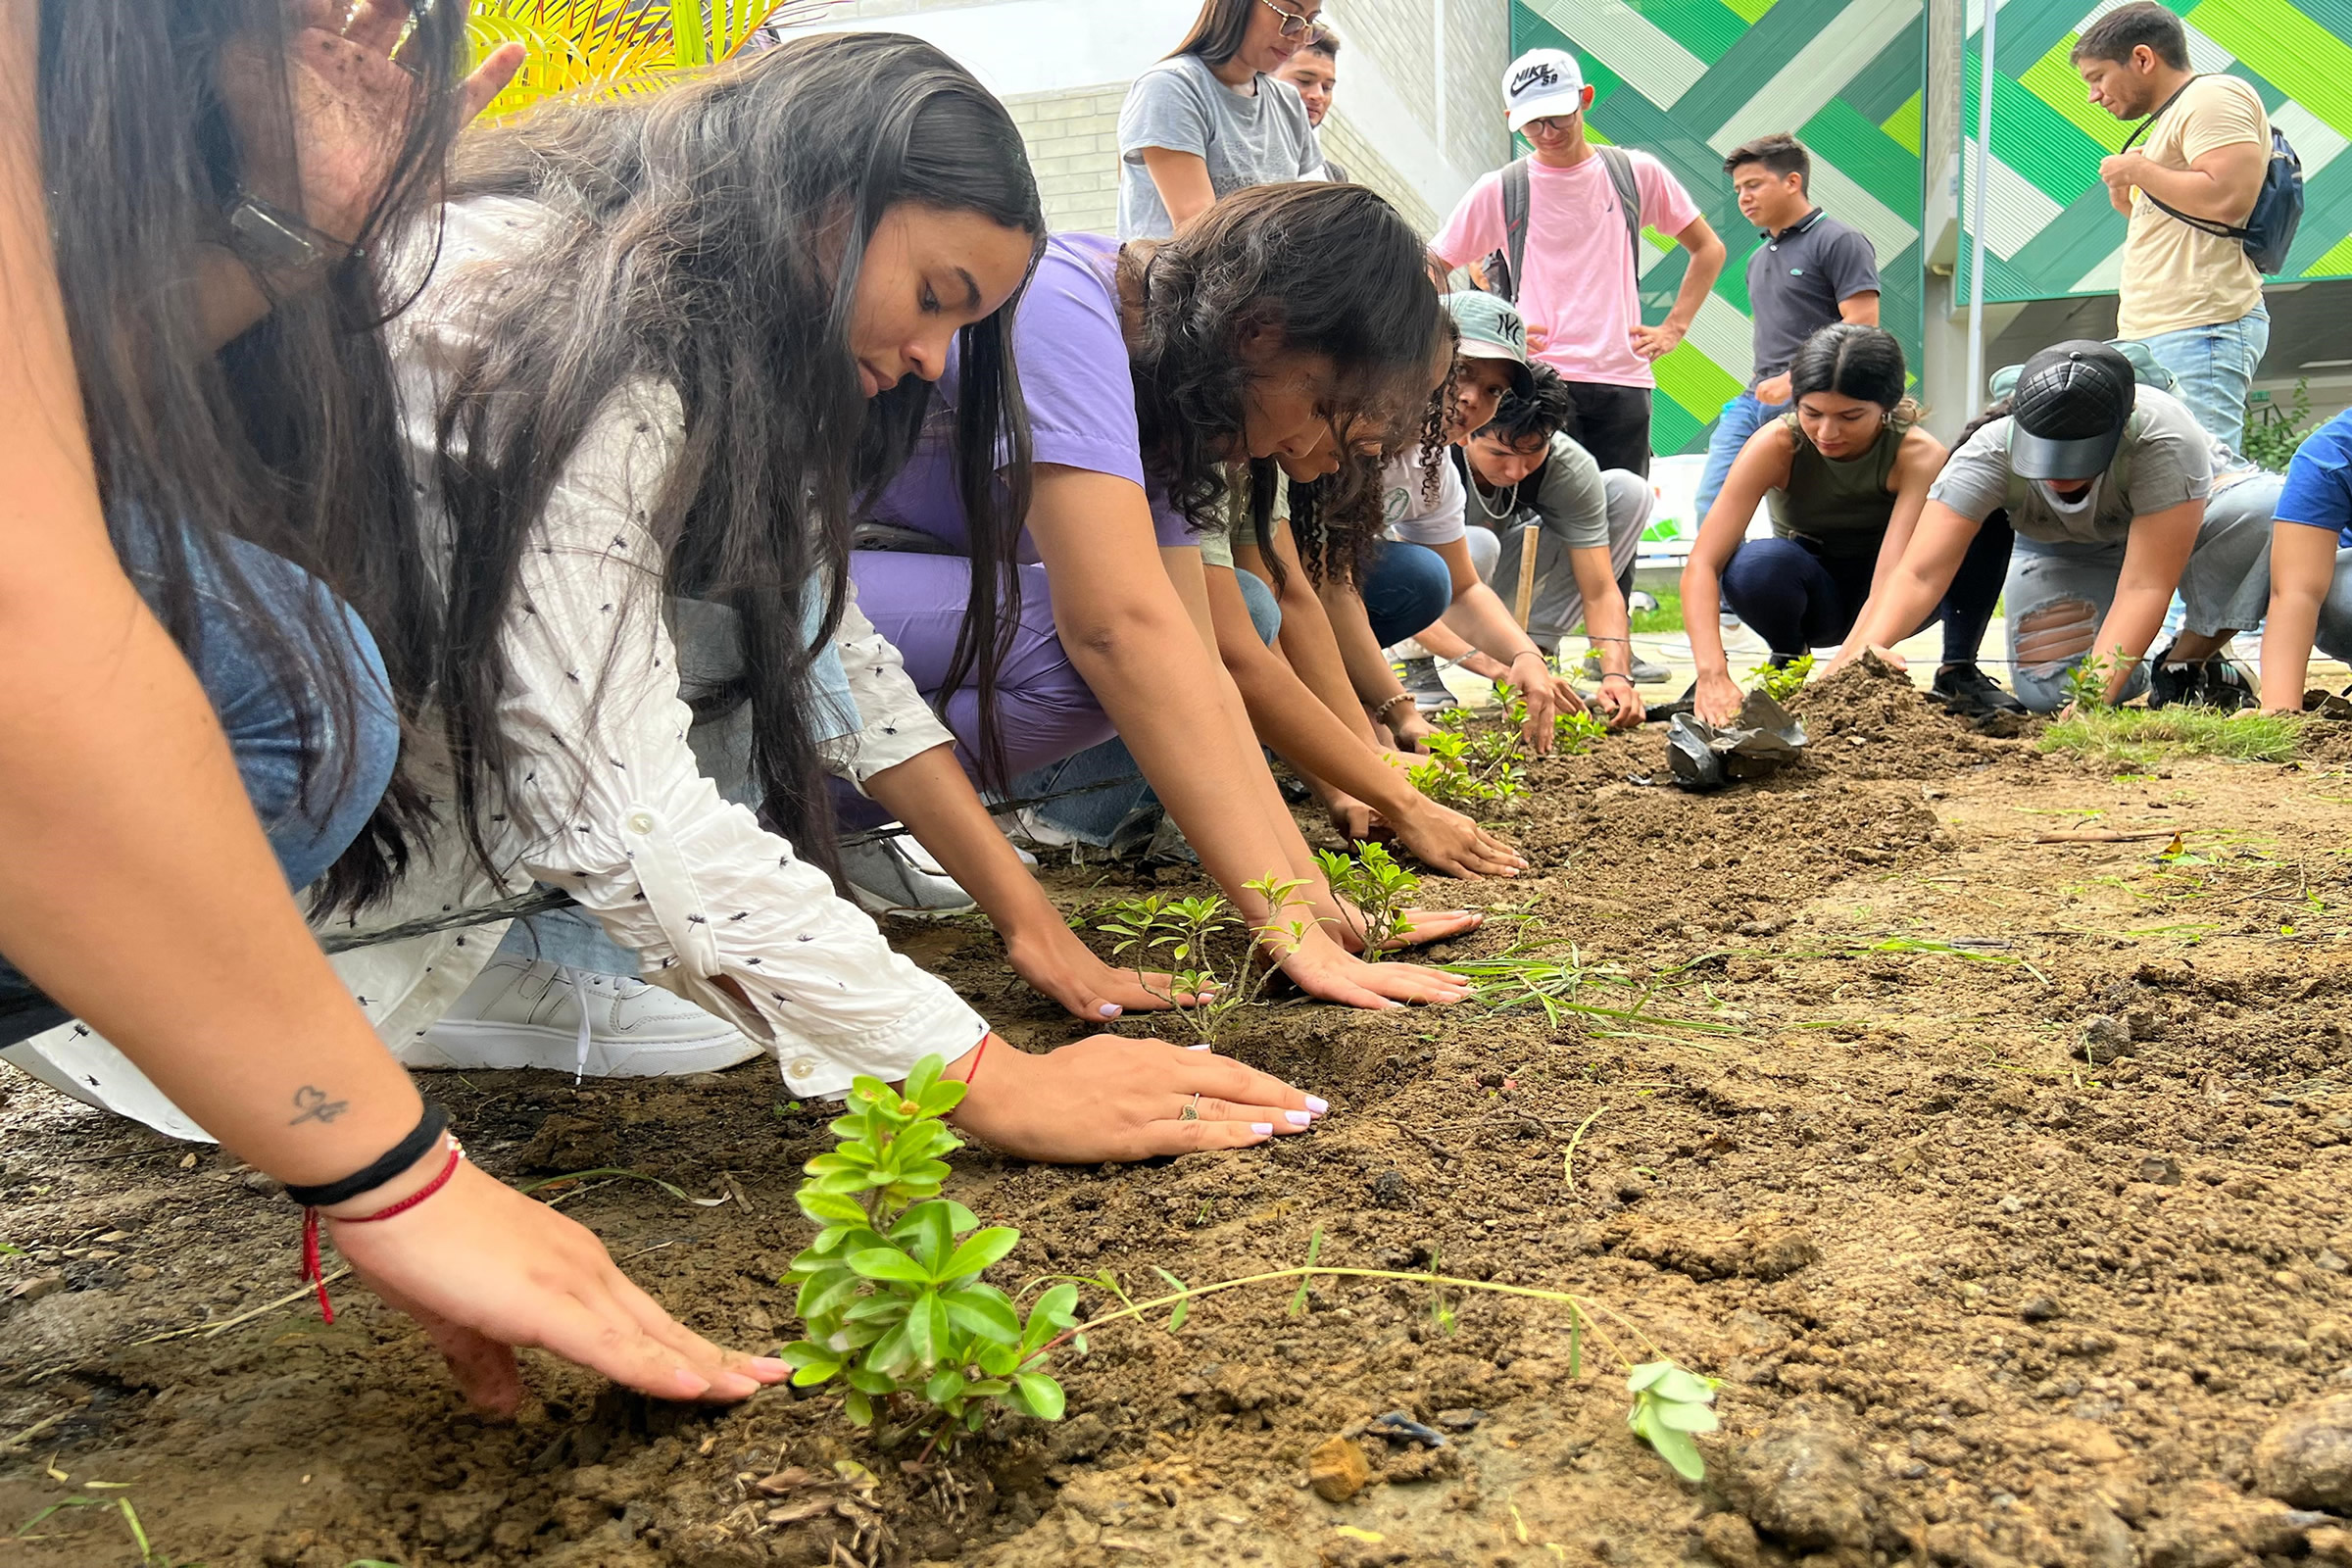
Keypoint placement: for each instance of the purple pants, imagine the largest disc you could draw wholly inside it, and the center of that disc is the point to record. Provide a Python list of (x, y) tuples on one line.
[(1045, 710)]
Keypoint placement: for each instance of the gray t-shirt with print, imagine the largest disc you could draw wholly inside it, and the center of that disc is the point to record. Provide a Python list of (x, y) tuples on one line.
[(2166, 458), (1256, 138)]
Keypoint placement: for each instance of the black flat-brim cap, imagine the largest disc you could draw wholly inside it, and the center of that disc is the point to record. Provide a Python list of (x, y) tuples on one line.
[(2067, 414)]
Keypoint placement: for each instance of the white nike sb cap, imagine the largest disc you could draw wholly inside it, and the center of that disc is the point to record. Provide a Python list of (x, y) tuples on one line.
[(1542, 83)]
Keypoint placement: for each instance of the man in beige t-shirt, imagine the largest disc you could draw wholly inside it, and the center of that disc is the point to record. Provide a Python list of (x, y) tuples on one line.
[(2193, 296)]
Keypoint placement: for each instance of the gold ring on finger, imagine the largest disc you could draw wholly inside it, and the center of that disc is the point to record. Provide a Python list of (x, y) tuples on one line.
[(1190, 1110)]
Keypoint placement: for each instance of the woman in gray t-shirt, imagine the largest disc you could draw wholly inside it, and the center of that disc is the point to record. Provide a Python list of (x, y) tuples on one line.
[(1210, 119), (2117, 497)]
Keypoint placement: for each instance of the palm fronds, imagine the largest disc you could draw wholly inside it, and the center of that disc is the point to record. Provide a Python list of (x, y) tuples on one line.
[(618, 47)]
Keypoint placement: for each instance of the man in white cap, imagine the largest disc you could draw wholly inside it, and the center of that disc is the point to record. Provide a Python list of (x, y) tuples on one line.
[(1564, 226)]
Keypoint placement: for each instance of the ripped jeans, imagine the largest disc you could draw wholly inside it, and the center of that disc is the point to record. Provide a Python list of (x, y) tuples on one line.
[(2058, 595)]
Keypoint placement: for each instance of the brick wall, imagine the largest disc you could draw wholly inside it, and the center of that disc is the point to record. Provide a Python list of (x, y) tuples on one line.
[(1342, 140), (1074, 140)]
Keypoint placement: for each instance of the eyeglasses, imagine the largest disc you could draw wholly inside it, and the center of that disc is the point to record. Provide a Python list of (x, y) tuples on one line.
[(1306, 29)]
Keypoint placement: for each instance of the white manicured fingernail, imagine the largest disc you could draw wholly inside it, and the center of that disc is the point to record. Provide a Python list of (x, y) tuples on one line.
[(1262, 1128), (1300, 1118), (1109, 1010)]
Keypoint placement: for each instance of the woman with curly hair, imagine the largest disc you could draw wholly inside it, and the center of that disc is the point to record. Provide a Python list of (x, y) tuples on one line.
[(1152, 374), (1391, 556)]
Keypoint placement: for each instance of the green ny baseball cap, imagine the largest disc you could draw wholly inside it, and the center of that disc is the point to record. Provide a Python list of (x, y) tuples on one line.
[(1493, 329)]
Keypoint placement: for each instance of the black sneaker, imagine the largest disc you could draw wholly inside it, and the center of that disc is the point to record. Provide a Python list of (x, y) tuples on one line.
[(1643, 672), (2221, 684), (1965, 692), (2213, 683), (1428, 689)]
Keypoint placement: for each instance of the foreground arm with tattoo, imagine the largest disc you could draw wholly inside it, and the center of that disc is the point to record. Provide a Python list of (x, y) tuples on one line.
[(161, 916)]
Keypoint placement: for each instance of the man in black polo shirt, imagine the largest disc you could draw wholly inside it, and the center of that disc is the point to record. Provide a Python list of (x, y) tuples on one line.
[(1810, 271)]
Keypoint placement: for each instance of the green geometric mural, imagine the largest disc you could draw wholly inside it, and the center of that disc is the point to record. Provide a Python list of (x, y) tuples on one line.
[(2049, 232), (1690, 79)]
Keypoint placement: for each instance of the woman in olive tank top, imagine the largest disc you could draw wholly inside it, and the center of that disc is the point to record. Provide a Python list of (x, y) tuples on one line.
[(1844, 476)]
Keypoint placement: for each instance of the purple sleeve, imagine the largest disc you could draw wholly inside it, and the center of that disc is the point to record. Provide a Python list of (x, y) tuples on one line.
[(1075, 377)]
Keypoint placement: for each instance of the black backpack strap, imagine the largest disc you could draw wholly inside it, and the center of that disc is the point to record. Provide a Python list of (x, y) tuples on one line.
[(1620, 166), (2142, 129), (1517, 198)]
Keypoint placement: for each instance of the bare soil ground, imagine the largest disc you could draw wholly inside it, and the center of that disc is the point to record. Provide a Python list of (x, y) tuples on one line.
[(2002, 1182)]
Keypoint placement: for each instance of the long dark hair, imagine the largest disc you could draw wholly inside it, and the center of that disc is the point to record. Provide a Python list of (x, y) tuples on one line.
[(691, 246), (1217, 32), (289, 437), (1852, 360), (1331, 270)]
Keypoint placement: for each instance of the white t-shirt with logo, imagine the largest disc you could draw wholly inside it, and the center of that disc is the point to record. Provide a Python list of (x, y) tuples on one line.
[(1418, 510)]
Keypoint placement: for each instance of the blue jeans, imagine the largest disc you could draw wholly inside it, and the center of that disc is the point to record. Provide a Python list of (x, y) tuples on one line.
[(1095, 817), (2213, 367), (310, 827), (1741, 418), (2063, 591), (1405, 589)]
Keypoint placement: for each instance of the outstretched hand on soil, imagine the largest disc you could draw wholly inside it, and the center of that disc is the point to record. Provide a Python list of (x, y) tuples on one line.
[(1110, 1098), (483, 1269)]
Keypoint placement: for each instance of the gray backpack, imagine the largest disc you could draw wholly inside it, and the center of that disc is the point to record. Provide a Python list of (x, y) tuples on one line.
[(1504, 268)]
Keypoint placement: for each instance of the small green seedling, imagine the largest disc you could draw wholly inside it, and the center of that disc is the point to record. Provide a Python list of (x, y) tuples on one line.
[(1779, 682), (1575, 733), (891, 1291), (1214, 970), (1670, 1405), (1468, 767), (1378, 887), (2087, 684)]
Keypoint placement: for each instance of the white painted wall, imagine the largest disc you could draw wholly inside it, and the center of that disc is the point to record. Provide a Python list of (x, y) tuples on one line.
[(1034, 49)]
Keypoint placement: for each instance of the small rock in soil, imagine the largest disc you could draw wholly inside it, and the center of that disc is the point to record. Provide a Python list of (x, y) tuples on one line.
[(1730, 1541), (1336, 1469), (1390, 1190), (1801, 1484), (2306, 1457), (2103, 1039), (2041, 1309), (1080, 1439), (2161, 1171), (1460, 1420)]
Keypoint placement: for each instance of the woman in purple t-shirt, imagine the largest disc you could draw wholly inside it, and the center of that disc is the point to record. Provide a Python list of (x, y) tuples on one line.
[(1285, 317)]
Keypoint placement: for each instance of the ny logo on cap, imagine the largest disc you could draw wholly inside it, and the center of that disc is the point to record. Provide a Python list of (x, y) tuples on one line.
[(1539, 74)]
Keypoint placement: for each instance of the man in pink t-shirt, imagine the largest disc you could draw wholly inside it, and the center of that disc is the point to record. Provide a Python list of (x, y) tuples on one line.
[(1579, 291)]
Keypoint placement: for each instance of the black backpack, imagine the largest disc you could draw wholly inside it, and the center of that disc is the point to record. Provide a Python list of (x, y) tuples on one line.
[(2269, 228), (1503, 268)]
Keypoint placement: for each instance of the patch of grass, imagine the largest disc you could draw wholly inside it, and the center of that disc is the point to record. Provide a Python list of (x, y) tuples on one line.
[(2141, 736), (1668, 616)]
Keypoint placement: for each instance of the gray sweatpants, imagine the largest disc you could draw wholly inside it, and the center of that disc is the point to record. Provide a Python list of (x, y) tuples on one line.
[(1558, 602)]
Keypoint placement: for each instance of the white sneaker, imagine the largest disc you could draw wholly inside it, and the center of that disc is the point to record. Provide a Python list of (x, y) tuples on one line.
[(897, 877), (525, 1013)]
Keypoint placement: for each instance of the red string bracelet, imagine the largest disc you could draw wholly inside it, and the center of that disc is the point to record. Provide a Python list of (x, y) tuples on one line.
[(314, 1276), (979, 1056)]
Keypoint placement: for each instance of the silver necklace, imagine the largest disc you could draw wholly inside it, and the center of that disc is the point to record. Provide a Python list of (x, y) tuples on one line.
[(1481, 497)]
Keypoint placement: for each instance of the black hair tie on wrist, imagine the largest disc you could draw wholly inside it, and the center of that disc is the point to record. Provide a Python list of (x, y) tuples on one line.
[(408, 1152)]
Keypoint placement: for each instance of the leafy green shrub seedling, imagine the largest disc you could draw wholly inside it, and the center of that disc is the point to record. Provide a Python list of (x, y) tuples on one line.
[(891, 1289), (1779, 682), (2087, 684)]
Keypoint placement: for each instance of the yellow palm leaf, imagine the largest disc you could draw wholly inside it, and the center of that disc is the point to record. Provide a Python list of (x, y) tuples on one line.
[(612, 48)]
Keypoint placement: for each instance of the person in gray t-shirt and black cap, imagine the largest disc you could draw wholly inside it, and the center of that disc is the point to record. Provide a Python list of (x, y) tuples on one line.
[(2117, 497)]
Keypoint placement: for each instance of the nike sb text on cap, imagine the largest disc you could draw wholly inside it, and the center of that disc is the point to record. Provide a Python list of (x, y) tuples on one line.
[(1491, 329), (2067, 414), (1542, 83)]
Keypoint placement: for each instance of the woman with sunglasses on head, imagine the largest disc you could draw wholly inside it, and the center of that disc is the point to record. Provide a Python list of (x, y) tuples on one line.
[(204, 456), (1212, 118)]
